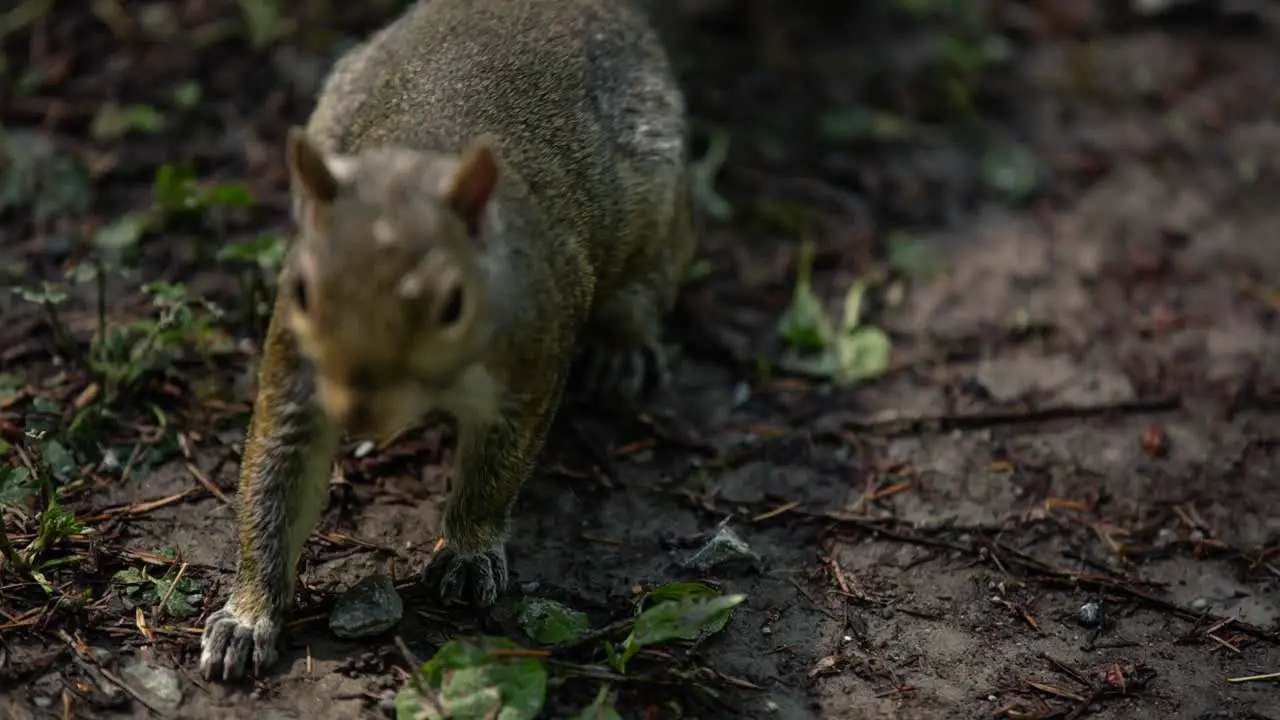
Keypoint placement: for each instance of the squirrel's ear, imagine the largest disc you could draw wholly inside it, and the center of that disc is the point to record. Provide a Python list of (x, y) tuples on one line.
[(308, 167), (471, 186)]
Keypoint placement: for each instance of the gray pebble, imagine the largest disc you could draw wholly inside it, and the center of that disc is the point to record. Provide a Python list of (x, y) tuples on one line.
[(725, 547), (1089, 614), (371, 607), (160, 685)]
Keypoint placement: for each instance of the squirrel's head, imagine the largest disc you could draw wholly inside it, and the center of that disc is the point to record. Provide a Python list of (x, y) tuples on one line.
[(385, 289)]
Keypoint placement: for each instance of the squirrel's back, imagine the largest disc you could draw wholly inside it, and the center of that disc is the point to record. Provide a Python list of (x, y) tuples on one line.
[(566, 86)]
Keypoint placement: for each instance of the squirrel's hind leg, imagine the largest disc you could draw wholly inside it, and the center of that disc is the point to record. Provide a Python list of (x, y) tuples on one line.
[(622, 356)]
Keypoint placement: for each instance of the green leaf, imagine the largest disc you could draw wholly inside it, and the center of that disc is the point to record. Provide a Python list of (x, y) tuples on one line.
[(15, 485), (804, 325), (174, 188), (121, 235), (45, 405), (41, 580), (267, 252), (144, 589), (130, 576), (470, 682), (852, 353), (82, 273), (678, 591), (601, 708), (187, 94), (677, 620), (165, 294), (861, 352), (56, 562), (57, 523), (177, 605), (114, 121), (58, 459), (230, 195), (46, 293), (263, 20), (805, 328), (549, 622)]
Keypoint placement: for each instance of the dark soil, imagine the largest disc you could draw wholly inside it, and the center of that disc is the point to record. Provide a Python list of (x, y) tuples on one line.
[(1081, 415)]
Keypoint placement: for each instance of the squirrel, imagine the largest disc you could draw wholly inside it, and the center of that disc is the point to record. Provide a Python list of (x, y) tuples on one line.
[(492, 204)]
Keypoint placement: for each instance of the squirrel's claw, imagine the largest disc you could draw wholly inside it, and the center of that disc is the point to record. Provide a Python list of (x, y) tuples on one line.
[(230, 639), (625, 375), (476, 579)]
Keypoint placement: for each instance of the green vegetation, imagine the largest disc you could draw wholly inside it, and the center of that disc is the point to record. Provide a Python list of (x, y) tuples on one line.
[(496, 677), (112, 379), (846, 353)]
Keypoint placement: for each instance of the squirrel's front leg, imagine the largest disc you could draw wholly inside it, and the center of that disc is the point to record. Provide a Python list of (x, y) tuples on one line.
[(493, 460), (284, 480)]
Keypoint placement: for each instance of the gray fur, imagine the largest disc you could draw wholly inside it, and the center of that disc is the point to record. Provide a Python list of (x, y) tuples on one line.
[(583, 244)]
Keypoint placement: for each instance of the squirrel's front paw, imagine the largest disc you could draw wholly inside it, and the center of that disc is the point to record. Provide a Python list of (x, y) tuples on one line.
[(232, 637), (627, 374), (477, 578)]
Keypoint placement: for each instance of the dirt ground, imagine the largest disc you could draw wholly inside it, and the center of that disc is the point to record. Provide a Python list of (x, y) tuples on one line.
[(1062, 501)]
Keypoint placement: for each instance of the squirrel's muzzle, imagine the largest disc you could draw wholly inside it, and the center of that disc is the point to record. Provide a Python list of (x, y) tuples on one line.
[(344, 408), (366, 414)]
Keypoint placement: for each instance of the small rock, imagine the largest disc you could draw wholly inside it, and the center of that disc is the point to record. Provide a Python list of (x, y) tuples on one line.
[(724, 547), (1089, 615), (159, 685), (387, 703), (1199, 604), (1166, 537), (372, 606)]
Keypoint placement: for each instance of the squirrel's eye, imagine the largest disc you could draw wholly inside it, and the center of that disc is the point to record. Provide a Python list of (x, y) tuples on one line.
[(299, 290), (451, 311)]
